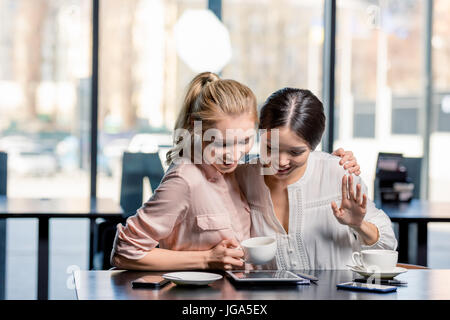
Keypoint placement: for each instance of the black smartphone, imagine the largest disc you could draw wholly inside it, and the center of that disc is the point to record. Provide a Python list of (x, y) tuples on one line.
[(389, 282), (153, 282), (366, 287)]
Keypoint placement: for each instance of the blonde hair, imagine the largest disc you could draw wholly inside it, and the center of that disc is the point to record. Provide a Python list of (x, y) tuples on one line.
[(209, 99)]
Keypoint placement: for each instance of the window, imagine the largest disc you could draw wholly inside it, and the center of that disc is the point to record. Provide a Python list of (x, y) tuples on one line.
[(142, 82), (440, 137), (275, 44), (379, 59), (44, 84)]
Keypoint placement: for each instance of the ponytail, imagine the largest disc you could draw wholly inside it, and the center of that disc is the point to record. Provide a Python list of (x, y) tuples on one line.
[(194, 90)]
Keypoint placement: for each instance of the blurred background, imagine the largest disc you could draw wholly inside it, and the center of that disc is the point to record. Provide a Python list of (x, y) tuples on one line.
[(148, 52)]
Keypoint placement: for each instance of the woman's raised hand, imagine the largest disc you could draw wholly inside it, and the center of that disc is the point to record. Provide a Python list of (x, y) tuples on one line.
[(348, 160), (353, 207), (226, 255)]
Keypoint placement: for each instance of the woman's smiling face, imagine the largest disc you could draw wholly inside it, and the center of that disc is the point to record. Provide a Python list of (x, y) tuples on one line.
[(232, 137), (293, 153)]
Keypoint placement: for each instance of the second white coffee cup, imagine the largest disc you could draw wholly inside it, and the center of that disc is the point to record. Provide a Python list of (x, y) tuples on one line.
[(380, 260), (259, 250)]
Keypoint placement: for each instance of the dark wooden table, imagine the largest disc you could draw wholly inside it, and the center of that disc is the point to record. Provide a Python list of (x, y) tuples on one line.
[(45, 209), (418, 212), (116, 285)]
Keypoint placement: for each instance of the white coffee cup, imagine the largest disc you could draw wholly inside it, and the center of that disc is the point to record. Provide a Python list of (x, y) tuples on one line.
[(259, 250), (376, 259)]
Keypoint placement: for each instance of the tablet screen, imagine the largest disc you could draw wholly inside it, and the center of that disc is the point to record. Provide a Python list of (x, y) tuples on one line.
[(267, 275), (282, 274)]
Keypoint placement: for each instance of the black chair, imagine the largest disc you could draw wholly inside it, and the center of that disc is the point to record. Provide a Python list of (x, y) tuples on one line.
[(135, 167), (3, 192), (386, 170), (413, 167), (413, 170)]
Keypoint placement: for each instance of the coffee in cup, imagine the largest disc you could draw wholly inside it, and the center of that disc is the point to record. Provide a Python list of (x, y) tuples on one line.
[(376, 259), (259, 250)]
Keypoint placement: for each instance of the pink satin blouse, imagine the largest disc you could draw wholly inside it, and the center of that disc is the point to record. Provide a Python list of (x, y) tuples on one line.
[(194, 208)]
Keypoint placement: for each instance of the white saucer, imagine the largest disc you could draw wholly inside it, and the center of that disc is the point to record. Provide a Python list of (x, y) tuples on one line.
[(383, 275), (192, 278)]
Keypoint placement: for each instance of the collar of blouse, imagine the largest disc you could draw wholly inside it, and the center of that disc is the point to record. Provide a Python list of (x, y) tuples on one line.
[(211, 173)]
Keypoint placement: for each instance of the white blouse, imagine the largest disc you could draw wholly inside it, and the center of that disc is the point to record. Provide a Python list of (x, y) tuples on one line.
[(316, 240)]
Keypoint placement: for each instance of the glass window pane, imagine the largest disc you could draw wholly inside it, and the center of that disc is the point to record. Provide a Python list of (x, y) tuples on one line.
[(142, 82), (275, 44), (44, 85), (379, 65), (440, 138)]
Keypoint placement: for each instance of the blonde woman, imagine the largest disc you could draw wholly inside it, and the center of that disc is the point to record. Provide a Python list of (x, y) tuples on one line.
[(198, 214)]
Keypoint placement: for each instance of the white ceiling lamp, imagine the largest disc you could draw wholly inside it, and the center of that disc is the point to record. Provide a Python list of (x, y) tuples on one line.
[(202, 41)]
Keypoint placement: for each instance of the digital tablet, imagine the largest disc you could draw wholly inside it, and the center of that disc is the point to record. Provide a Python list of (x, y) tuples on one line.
[(266, 276)]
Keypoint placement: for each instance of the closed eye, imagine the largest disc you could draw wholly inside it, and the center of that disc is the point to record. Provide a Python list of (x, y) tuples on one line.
[(296, 153)]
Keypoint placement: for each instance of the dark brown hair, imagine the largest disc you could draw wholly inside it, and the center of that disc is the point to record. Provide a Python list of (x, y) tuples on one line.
[(298, 109)]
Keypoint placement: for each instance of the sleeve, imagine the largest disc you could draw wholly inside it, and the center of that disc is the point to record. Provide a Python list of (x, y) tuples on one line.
[(381, 220), (155, 220)]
